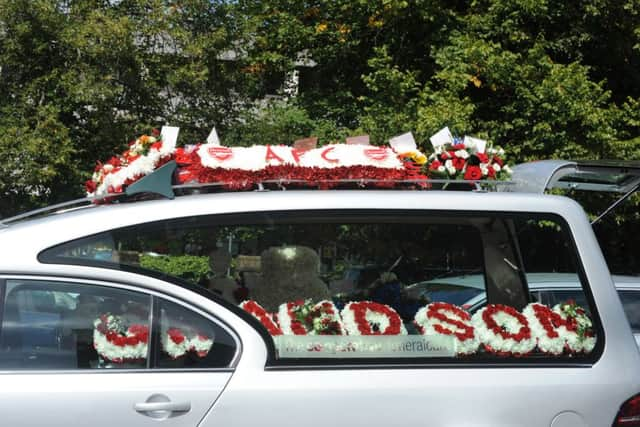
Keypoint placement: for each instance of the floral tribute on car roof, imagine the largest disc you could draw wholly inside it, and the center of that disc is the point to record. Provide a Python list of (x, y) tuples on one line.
[(305, 165), (495, 329), (465, 158), (144, 155), (244, 167)]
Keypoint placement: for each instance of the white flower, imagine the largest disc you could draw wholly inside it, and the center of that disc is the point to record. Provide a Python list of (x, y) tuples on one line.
[(484, 169), (500, 152), (507, 169), (441, 168), (496, 167), (463, 154), (450, 168)]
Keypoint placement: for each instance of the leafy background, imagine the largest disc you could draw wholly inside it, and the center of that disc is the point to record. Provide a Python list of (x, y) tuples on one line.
[(80, 78)]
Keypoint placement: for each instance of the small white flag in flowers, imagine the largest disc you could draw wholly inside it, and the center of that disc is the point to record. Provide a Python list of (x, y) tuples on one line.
[(442, 137), (169, 136), (404, 143), (476, 144), (213, 139)]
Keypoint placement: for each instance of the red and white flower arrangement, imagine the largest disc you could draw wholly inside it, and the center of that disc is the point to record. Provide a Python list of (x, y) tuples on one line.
[(371, 318), (243, 167), (580, 335), (118, 342), (503, 330), (303, 317), (465, 159), (548, 328), (266, 318), (176, 343), (442, 318), (145, 154)]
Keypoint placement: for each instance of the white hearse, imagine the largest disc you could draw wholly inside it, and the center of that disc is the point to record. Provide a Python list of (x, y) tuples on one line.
[(214, 310)]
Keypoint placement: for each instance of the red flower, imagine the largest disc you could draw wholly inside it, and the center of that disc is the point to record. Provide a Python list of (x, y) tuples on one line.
[(435, 312), (176, 335), (482, 157), (473, 172), (491, 172), (458, 163), (90, 186), (435, 165), (360, 316), (457, 147), (498, 160), (261, 314), (114, 161), (157, 145)]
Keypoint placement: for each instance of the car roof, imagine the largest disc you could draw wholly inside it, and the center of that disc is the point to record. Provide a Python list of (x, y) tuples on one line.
[(22, 242)]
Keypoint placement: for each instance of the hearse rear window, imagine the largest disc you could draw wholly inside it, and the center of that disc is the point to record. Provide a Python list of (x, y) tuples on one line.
[(362, 285)]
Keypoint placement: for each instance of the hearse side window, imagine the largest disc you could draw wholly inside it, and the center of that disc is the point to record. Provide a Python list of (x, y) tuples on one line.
[(59, 326), (364, 285), (69, 326)]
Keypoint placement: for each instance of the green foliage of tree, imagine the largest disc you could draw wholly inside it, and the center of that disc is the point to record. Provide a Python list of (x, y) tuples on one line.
[(192, 268), (80, 78)]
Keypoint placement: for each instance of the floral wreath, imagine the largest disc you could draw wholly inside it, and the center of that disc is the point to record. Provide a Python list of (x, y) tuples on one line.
[(371, 318), (176, 343), (243, 167), (262, 315), (145, 154), (503, 330), (303, 317), (442, 318), (117, 342), (580, 336)]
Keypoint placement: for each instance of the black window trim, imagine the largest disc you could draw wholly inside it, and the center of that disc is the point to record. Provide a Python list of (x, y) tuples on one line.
[(265, 217)]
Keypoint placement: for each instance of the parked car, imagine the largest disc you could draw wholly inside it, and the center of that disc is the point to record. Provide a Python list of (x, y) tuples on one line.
[(142, 345)]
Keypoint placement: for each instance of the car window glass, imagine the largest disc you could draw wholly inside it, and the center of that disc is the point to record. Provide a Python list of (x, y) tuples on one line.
[(631, 305), (361, 285), (49, 325), (191, 341), (569, 295)]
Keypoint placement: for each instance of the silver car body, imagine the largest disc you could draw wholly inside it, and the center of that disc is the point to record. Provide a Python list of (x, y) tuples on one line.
[(253, 393)]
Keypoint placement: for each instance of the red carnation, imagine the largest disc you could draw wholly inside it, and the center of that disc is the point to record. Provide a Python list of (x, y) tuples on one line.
[(90, 186), (458, 163), (473, 173), (459, 147), (498, 160), (482, 157), (435, 165)]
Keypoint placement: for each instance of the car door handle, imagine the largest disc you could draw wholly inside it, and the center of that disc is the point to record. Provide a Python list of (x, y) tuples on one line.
[(163, 406)]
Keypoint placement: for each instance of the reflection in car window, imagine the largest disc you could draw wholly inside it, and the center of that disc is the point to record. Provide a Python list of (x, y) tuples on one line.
[(362, 285), (69, 326), (631, 305)]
